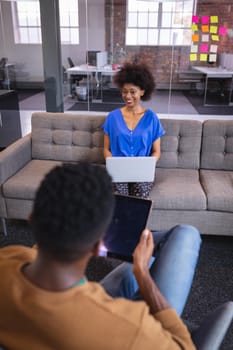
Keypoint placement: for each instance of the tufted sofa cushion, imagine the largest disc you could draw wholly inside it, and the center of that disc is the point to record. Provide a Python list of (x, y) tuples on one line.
[(217, 145), (178, 189), (218, 186), (26, 181), (64, 137), (180, 146)]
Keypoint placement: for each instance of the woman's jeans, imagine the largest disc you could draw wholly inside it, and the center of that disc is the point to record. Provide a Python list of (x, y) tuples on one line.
[(173, 268)]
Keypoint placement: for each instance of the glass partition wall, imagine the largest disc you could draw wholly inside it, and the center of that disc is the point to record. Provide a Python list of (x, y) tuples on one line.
[(178, 39)]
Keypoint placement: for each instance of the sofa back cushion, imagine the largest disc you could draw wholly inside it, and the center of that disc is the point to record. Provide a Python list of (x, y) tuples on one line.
[(67, 137), (180, 146), (217, 145)]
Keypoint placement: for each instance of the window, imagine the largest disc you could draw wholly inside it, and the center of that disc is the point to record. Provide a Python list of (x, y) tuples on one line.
[(27, 24), (159, 22), (69, 23)]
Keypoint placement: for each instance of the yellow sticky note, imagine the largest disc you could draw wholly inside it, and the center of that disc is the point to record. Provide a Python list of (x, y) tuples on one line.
[(195, 37), (193, 57), (194, 27), (213, 29), (205, 29), (203, 57), (215, 37), (213, 19)]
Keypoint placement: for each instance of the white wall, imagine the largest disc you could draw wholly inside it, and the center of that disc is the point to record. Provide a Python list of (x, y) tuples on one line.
[(28, 58)]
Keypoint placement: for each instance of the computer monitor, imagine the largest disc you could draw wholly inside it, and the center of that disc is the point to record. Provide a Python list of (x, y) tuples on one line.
[(97, 58), (92, 57)]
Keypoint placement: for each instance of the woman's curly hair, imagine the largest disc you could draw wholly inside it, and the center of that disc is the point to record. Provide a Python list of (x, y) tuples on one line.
[(137, 74)]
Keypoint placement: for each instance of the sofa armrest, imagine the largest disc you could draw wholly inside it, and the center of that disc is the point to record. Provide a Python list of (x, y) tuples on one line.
[(14, 157)]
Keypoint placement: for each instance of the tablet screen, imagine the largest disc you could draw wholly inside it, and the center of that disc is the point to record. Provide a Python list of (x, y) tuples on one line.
[(129, 220)]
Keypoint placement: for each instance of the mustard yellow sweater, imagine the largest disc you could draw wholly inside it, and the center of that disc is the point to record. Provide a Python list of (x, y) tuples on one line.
[(83, 317)]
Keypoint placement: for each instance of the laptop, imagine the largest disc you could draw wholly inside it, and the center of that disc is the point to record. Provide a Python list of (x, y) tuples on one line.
[(123, 234), (131, 169)]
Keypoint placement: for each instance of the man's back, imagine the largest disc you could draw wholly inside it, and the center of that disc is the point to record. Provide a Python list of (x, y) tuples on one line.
[(80, 317)]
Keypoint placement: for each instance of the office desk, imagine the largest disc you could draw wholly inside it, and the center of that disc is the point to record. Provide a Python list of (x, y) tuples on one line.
[(90, 72), (86, 69), (215, 72)]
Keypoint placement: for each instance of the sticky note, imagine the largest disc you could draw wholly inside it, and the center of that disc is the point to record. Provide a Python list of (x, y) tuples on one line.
[(205, 19), (194, 48), (212, 57), (193, 57), (205, 29), (213, 48), (194, 27), (215, 37), (203, 57), (213, 29), (204, 48), (205, 38), (195, 19), (213, 19), (195, 37), (222, 31)]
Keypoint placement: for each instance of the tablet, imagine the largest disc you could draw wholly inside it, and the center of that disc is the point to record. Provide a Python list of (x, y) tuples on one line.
[(129, 220)]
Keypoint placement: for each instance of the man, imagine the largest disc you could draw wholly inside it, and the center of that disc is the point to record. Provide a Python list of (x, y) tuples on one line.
[(46, 301)]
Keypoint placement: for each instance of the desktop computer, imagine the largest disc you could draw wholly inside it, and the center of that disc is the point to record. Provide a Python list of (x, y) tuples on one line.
[(97, 58)]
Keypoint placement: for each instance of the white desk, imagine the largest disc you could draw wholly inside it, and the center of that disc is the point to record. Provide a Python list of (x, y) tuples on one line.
[(215, 72), (91, 71), (86, 69)]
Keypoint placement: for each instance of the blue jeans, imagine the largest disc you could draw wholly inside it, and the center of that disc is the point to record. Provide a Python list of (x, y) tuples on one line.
[(172, 268)]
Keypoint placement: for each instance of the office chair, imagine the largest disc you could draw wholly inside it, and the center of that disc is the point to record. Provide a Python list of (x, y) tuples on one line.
[(70, 61), (74, 78), (210, 333), (3, 62)]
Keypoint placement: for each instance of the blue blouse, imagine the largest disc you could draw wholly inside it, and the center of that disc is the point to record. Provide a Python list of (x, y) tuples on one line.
[(136, 142)]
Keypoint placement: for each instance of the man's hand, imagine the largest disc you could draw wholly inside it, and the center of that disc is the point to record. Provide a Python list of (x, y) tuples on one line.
[(143, 251), (148, 289)]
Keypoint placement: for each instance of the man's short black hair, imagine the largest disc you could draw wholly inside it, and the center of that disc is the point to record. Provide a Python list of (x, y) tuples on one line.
[(72, 209)]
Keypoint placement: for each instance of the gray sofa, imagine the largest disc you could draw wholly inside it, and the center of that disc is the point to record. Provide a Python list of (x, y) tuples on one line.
[(194, 176)]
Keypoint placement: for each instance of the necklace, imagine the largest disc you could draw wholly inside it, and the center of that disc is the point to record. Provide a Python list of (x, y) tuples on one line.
[(80, 282), (134, 114)]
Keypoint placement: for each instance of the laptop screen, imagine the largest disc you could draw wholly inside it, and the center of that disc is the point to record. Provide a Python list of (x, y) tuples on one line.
[(129, 220)]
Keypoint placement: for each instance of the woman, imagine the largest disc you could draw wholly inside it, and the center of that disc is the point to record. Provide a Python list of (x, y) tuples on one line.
[(133, 130)]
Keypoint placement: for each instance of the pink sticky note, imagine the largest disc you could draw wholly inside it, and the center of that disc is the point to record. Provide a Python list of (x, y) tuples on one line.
[(205, 19), (222, 31), (195, 19), (204, 48)]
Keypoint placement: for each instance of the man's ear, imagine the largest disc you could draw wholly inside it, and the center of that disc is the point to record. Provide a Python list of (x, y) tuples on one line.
[(96, 248)]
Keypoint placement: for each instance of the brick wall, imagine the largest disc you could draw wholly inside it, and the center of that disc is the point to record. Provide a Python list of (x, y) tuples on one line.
[(160, 58), (224, 10)]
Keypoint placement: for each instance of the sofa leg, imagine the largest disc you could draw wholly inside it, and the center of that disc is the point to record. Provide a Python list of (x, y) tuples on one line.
[(4, 226)]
